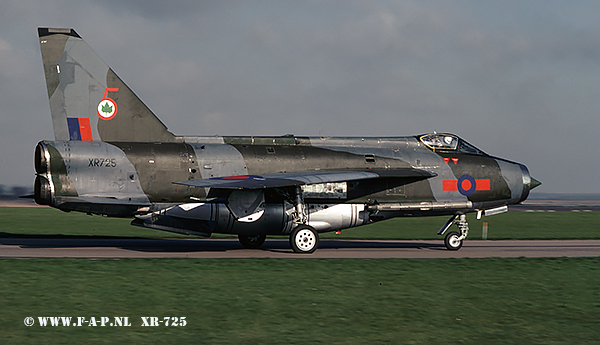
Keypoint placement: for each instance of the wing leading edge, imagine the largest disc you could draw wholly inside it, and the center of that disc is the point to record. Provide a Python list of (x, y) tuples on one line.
[(302, 178)]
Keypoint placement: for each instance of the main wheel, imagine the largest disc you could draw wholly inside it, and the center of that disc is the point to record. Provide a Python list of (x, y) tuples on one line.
[(304, 239), (452, 241), (252, 242)]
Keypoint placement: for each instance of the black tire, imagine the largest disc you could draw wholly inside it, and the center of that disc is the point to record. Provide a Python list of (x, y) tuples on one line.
[(253, 241), (451, 241), (304, 239)]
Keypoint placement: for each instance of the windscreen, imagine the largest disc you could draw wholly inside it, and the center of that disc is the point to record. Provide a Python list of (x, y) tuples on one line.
[(449, 142)]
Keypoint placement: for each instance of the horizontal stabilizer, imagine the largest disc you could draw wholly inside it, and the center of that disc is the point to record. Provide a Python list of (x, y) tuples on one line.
[(301, 178)]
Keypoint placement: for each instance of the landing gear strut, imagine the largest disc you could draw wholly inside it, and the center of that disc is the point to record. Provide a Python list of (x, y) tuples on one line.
[(304, 238), (454, 240)]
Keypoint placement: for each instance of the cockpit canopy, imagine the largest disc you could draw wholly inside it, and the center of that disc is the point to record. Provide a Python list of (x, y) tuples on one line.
[(449, 142)]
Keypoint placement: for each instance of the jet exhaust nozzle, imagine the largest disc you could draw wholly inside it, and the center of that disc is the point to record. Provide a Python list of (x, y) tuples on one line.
[(42, 191)]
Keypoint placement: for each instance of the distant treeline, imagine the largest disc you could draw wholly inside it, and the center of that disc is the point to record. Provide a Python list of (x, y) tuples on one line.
[(7, 192), (563, 196)]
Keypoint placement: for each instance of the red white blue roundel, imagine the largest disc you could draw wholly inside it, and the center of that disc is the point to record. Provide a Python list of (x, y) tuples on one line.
[(466, 185), (107, 109)]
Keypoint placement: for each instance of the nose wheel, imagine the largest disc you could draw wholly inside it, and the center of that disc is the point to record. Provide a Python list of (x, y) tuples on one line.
[(454, 240)]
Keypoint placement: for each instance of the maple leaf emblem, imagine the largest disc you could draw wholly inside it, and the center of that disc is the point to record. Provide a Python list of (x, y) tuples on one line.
[(106, 108)]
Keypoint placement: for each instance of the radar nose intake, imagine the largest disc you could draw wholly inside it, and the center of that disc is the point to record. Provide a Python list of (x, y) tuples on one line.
[(534, 183)]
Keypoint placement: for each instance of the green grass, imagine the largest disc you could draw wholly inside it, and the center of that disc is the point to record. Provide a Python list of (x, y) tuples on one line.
[(278, 301), (511, 225), (34, 221)]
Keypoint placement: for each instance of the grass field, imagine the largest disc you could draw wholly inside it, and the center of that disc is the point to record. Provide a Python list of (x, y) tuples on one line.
[(512, 225), (278, 301)]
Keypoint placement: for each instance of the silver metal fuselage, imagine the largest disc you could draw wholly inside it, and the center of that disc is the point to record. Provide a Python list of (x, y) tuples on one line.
[(136, 179)]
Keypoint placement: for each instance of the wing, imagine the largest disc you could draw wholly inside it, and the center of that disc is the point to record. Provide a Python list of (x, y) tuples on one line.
[(302, 178)]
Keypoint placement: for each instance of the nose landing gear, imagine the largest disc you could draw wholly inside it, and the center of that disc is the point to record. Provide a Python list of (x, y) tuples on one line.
[(454, 240)]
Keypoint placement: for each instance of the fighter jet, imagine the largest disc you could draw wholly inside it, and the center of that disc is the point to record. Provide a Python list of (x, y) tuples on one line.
[(112, 156)]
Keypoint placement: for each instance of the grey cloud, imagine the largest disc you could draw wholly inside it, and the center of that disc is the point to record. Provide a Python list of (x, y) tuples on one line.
[(332, 68), (157, 10)]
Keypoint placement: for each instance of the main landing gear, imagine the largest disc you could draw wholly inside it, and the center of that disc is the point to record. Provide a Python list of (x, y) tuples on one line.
[(253, 241), (454, 240), (303, 239)]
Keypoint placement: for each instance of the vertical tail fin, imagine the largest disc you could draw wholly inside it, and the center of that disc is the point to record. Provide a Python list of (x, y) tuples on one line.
[(88, 101)]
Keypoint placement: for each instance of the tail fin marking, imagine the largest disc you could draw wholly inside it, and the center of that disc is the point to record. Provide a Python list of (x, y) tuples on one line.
[(88, 101)]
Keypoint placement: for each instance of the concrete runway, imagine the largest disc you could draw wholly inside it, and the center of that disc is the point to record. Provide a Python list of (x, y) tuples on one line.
[(114, 248)]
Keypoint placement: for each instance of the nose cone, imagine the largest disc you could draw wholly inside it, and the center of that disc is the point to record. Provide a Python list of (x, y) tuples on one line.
[(534, 183), (529, 183)]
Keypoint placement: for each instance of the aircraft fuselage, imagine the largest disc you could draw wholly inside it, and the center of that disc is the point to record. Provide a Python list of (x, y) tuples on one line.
[(132, 179)]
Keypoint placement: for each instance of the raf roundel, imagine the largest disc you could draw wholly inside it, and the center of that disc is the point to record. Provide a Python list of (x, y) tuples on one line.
[(466, 185)]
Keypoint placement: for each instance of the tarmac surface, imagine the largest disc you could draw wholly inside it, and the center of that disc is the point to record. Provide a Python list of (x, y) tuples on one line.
[(116, 248)]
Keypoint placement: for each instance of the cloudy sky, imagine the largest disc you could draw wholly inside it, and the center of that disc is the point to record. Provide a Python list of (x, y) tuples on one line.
[(518, 79)]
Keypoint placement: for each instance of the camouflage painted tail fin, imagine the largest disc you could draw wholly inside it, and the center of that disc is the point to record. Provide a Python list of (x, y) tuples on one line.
[(88, 101)]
